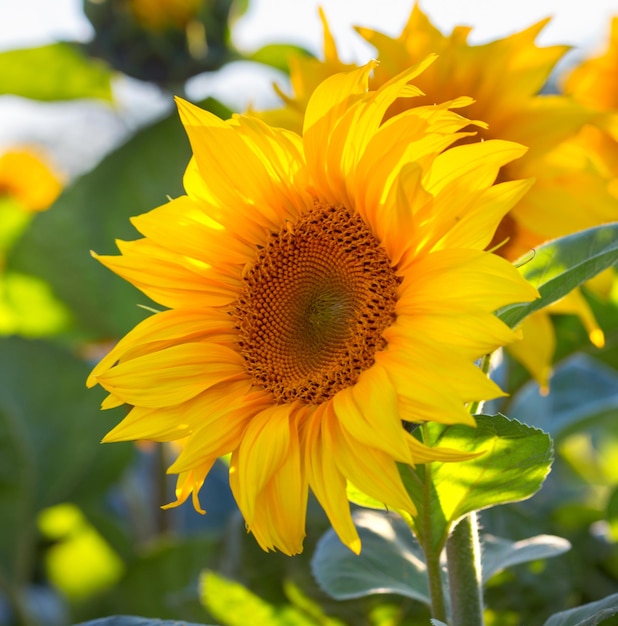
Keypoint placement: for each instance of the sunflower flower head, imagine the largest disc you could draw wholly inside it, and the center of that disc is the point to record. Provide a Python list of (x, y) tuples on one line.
[(321, 291)]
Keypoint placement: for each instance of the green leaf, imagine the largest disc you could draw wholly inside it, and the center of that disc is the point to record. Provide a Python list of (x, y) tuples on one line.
[(234, 605), (50, 429), (58, 71), (561, 265), (129, 620), (391, 560), (514, 462), (587, 615), (277, 55), (583, 391), (498, 554)]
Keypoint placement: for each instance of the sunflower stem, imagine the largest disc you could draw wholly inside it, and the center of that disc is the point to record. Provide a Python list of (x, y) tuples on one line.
[(463, 557), (432, 555)]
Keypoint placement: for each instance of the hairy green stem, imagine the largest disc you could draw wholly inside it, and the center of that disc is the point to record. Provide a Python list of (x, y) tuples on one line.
[(432, 556), (463, 557)]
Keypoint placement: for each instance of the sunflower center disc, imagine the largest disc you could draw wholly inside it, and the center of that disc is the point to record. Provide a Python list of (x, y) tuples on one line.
[(314, 306)]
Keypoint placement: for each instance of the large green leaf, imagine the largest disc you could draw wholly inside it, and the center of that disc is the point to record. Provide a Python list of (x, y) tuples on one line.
[(498, 554), (587, 615), (391, 560), (92, 214), (50, 429), (57, 71), (583, 391), (514, 461), (561, 265)]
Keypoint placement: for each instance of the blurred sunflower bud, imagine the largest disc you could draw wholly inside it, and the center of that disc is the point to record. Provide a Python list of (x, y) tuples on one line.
[(161, 41)]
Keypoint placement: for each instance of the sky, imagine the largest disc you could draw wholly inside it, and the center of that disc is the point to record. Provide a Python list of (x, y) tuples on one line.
[(27, 23)]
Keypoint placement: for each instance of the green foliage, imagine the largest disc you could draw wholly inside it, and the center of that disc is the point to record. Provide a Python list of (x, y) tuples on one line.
[(58, 71), (587, 615), (391, 560), (36, 430), (498, 554), (584, 392), (234, 605), (513, 462), (560, 266)]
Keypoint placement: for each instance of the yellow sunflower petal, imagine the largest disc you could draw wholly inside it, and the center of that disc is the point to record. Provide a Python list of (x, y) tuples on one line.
[(426, 454), (281, 508), (326, 481), (186, 226), (165, 329), (151, 424), (173, 374), (175, 282), (574, 303), (367, 468), (218, 426), (189, 484), (369, 407), (536, 348), (262, 452)]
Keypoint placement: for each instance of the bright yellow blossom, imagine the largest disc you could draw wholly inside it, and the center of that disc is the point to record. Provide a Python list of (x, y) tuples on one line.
[(504, 78), (322, 292), (594, 81), (28, 179)]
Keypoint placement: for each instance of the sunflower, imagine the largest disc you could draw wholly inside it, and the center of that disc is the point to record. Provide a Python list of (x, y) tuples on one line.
[(322, 291), (505, 78)]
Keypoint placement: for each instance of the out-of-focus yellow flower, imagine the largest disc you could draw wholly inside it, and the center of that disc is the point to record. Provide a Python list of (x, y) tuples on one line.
[(504, 78), (320, 289), (161, 14), (25, 177), (594, 81)]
